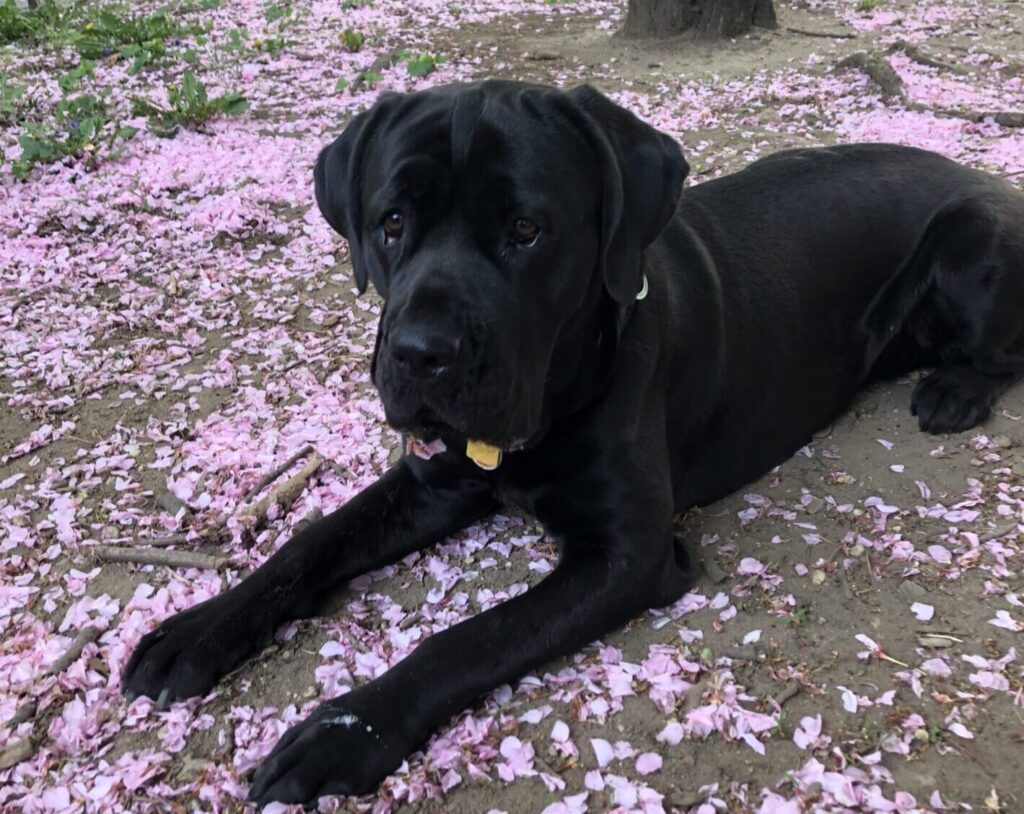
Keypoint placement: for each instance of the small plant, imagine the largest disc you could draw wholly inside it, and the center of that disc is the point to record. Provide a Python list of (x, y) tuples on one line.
[(14, 24), (277, 11), (70, 80), (347, 5), (279, 17), (190, 106), (142, 39), (867, 5), (50, 19), (796, 618), (370, 78), (424, 64), (82, 127), (10, 96), (351, 41), (237, 38)]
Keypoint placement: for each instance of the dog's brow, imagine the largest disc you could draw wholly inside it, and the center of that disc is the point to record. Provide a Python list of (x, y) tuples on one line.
[(465, 115)]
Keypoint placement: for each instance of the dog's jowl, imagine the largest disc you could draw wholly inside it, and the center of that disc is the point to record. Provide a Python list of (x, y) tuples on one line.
[(602, 349)]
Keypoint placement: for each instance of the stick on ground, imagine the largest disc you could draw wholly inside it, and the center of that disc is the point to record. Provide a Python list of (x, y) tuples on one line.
[(156, 556), (270, 477), (70, 656), (283, 496)]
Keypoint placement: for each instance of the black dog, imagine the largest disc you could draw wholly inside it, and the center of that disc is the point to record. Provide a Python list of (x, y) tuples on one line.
[(602, 350)]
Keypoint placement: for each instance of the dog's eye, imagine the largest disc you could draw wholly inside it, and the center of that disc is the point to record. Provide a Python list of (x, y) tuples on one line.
[(394, 225), (525, 232)]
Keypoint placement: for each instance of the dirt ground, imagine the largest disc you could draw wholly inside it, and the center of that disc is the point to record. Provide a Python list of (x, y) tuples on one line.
[(870, 520)]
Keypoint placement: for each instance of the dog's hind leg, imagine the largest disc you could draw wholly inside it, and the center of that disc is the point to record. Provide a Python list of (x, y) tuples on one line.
[(958, 305)]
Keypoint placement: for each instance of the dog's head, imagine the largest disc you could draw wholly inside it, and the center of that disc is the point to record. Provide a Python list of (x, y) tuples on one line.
[(503, 224)]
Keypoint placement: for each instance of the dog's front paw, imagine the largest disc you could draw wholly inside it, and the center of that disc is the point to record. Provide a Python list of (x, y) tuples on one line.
[(953, 399), (334, 751), (188, 652)]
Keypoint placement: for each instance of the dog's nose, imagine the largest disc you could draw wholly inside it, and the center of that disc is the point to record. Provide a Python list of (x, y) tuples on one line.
[(423, 351)]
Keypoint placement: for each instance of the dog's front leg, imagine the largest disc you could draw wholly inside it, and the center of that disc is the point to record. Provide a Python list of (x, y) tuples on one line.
[(349, 744), (413, 505)]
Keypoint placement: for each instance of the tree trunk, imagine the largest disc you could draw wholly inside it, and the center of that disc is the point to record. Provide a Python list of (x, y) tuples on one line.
[(706, 18)]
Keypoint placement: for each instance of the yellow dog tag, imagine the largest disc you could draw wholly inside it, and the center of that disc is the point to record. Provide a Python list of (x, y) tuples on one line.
[(483, 455)]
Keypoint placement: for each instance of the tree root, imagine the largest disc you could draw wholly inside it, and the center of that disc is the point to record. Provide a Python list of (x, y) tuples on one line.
[(922, 58), (831, 35), (879, 70)]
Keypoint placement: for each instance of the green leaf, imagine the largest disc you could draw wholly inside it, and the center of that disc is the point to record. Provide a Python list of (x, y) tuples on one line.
[(276, 12), (421, 66), (340, 85), (372, 77), (233, 103), (351, 41)]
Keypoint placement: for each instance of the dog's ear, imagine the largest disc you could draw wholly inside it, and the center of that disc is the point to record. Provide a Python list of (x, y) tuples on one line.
[(642, 172), (338, 180)]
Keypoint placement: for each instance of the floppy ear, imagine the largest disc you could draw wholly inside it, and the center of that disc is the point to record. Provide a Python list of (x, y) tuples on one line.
[(338, 179), (642, 172)]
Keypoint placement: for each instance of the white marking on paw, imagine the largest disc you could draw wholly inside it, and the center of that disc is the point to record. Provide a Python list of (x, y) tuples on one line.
[(347, 720)]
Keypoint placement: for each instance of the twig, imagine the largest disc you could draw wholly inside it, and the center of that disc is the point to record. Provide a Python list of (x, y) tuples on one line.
[(84, 637), (995, 535), (283, 496), (269, 478), (170, 539), (151, 556), (410, 620), (838, 35), (867, 563)]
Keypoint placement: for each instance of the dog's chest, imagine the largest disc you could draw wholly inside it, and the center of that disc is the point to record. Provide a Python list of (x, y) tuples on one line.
[(566, 489)]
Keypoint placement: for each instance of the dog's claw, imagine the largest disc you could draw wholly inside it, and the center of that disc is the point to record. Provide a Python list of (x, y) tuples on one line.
[(164, 700)]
